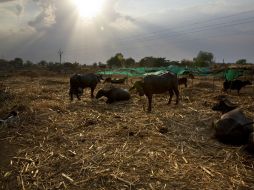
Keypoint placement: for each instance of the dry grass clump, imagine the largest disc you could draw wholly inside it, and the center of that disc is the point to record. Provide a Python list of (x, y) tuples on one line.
[(53, 82), (5, 94), (89, 144), (31, 74), (204, 85)]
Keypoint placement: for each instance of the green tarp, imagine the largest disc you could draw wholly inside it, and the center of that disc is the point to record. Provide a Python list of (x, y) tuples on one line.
[(142, 71), (232, 74), (229, 74)]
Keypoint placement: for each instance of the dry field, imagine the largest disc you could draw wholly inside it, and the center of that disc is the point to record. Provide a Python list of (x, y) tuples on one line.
[(58, 144)]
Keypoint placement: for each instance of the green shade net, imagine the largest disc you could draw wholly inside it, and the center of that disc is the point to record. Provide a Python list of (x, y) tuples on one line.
[(232, 74), (142, 71)]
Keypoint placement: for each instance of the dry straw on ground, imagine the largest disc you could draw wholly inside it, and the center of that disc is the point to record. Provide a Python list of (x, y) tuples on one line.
[(87, 144)]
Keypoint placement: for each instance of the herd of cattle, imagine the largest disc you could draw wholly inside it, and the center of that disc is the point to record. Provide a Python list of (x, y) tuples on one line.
[(232, 128), (149, 85)]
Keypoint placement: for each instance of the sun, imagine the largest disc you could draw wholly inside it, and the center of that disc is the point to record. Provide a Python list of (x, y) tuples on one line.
[(88, 8)]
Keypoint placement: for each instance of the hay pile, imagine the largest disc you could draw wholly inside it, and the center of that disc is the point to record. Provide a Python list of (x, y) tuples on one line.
[(90, 145)]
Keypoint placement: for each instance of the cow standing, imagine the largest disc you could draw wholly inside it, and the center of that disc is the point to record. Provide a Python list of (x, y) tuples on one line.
[(80, 81), (235, 85), (157, 84)]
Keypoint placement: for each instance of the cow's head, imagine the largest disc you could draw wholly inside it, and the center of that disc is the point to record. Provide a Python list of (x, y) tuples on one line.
[(100, 93), (99, 77), (224, 106), (139, 86)]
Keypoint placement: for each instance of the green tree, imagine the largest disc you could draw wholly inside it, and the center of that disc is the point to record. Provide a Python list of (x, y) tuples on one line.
[(172, 63), (17, 62), (116, 61), (203, 59), (129, 62), (241, 61), (102, 65), (43, 63), (28, 63), (4, 64), (186, 62), (154, 62)]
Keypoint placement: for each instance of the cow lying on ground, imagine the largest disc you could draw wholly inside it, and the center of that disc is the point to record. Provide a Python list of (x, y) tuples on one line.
[(182, 81), (115, 81), (233, 128), (250, 145), (235, 85), (224, 106), (157, 84), (80, 81), (114, 95)]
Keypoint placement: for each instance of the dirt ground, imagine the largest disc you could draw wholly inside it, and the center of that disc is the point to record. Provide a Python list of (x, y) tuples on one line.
[(87, 144)]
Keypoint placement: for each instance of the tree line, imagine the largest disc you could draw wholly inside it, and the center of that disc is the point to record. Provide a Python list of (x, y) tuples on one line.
[(19, 64), (203, 59)]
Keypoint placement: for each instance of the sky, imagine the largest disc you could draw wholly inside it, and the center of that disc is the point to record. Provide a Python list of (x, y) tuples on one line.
[(175, 29)]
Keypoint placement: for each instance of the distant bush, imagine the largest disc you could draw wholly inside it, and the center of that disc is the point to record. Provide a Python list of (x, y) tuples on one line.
[(32, 74)]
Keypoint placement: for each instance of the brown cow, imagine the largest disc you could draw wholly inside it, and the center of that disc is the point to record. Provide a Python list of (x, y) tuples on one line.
[(157, 84)]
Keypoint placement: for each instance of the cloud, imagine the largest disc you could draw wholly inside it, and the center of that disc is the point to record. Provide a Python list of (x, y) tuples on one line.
[(165, 31), (4, 1), (19, 9), (111, 15), (46, 17), (15, 7)]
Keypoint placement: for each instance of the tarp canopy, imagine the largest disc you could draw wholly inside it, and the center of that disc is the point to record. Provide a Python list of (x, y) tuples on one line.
[(232, 74), (142, 71)]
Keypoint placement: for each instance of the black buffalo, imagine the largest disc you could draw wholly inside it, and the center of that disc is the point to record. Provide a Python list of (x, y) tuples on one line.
[(80, 81), (114, 95), (224, 106), (233, 128), (250, 145), (235, 85), (157, 84)]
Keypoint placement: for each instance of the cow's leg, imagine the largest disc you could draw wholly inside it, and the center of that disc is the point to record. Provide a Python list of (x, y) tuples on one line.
[(71, 94), (92, 91), (177, 95), (76, 92), (171, 93), (78, 95), (150, 97), (80, 91)]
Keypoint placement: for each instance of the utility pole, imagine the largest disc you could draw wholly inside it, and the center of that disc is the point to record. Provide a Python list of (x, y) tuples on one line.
[(60, 52)]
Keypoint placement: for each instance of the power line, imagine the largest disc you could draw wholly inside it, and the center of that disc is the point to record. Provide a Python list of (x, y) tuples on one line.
[(198, 29), (182, 32), (194, 23), (176, 37)]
